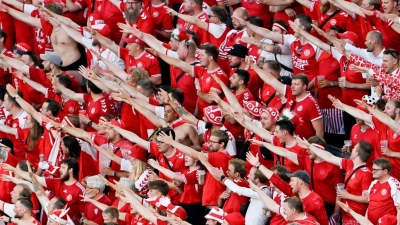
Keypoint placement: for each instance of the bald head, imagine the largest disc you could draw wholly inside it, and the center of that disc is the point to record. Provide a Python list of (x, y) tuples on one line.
[(376, 36)]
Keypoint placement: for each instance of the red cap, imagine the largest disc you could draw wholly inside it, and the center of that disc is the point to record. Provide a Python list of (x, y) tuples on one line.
[(253, 107), (138, 153), (22, 47), (351, 36), (133, 39), (60, 216), (387, 220), (213, 115), (118, 122), (179, 35), (216, 214), (102, 29), (273, 112), (95, 19), (235, 218)]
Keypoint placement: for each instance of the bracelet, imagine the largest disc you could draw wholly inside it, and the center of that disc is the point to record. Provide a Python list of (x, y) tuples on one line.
[(257, 167), (9, 219), (115, 173), (90, 123), (16, 96)]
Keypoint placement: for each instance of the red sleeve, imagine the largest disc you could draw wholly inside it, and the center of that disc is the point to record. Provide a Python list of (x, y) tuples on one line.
[(39, 76), (51, 183), (153, 101), (372, 19), (215, 86), (22, 133), (281, 185), (87, 98), (50, 93), (11, 160), (366, 180), (314, 111), (154, 69), (153, 149), (198, 70), (302, 160), (47, 28), (344, 164), (122, 6), (167, 22), (288, 93), (123, 53), (148, 26)]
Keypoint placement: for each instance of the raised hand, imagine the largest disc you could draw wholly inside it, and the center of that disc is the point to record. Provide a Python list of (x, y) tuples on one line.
[(294, 26), (253, 160), (163, 137), (215, 97), (153, 163), (361, 103), (336, 102), (257, 142), (290, 12), (90, 30), (303, 142), (171, 11)]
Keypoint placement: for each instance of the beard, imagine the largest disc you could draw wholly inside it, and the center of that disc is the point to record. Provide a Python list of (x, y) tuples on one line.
[(208, 125), (64, 177), (17, 216), (47, 70), (132, 16), (233, 88), (95, 42), (235, 65)]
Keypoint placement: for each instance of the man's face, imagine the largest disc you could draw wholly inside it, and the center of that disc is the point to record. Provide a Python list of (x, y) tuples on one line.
[(182, 50), (162, 147), (211, 222), (26, 60), (153, 193), (132, 10), (288, 212), (280, 134), (43, 110), (204, 58), (169, 114), (266, 121), (91, 192), (369, 42), (19, 210), (174, 44), (390, 110), (237, 13), (365, 5), (107, 218), (214, 143), (354, 152), (188, 6), (295, 184), (297, 22), (7, 103), (50, 206), (189, 161), (15, 194), (234, 61), (46, 66), (297, 87), (389, 63), (277, 30), (388, 6), (231, 171), (132, 48), (110, 134), (235, 82), (64, 175), (251, 175)]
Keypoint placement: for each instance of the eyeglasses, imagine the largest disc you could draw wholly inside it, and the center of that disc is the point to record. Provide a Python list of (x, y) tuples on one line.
[(132, 3), (392, 52), (375, 170), (90, 188), (214, 142), (299, 49)]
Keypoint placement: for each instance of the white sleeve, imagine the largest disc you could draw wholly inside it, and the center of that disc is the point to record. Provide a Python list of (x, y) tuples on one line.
[(116, 60), (336, 54), (241, 190), (28, 8), (285, 50), (172, 54), (231, 146), (358, 51), (159, 110), (201, 127), (288, 39), (9, 209), (88, 43), (126, 165), (216, 30), (318, 51)]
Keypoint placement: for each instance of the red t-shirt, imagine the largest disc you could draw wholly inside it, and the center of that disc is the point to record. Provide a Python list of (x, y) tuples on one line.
[(70, 193), (161, 18), (7, 24), (5, 73), (357, 184), (304, 56), (31, 95), (255, 82), (131, 118), (7, 186), (217, 33), (67, 106), (136, 219), (42, 43), (39, 76), (255, 149), (218, 160), (295, 148), (258, 9), (387, 32), (111, 15), (235, 201), (192, 191), (31, 155), (145, 61), (306, 110), (341, 19), (202, 35), (176, 160), (207, 83), (93, 213), (308, 220), (19, 145), (314, 205), (393, 141), (185, 82), (325, 176), (382, 197), (95, 109), (144, 22), (79, 16), (276, 218), (369, 135), (329, 67)]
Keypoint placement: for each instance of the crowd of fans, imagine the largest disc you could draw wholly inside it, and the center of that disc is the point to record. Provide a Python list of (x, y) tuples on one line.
[(233, 112)]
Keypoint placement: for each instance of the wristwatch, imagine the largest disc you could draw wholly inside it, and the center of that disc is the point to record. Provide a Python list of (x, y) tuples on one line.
[(90, 123), (332, 84)]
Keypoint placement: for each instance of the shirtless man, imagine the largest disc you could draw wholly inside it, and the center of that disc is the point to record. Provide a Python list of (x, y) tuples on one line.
[(185, 133), (61, 42)]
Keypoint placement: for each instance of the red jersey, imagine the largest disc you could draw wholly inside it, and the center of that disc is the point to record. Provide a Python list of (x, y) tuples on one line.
[(295, 148), (192, 191), (144, 23), (276, 218), (218, 160), (31, 155), (369, 135), (258, 9), (387, 32), (5, 73), (39, 76), (255, 82), (325, 176), (267, 93), (131, 118), (202, 35), (207, 83), (67, 106), (217, 32), (254, 52), (340, 19), (42, 43), (79, 16), (70, 193), (136, 219), (361, 27), (385, 133), (306, 110), (31, 95), (314, 205), (264, 160), (23, 32), (307, 220), (304, 56), (349, 94), (382, 197), (186, 83), (176, 160), (111, 15), (93, 213), (236, 130), (145, 61), (232, 37), (6, 187), (95, 109), (161, 18), (19, 145), (358, 184), (235, 201), (7, 24), (329, 67)]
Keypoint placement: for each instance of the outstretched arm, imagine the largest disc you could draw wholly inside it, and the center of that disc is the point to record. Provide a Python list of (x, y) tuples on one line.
[(267, 77), (79, 97), (162, 137), (360, 218), (24, 105), (312, 38), (172, 175), (65, 20), (105, 42), (350, 110), (130, 136), (324, 155), (16, 64), (348, 7), (275, 37), (158, 122), (35, 22), (179, 109), (189, 19), (278, 150), (270, 203)]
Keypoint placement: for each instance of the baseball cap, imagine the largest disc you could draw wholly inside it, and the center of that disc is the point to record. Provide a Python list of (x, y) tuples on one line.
[(302, 175), (21, 48), (53, 57), (285, 80), (239, 51), (387, 220), (102, 29), (133, 39), (164, 87), (351, 36)]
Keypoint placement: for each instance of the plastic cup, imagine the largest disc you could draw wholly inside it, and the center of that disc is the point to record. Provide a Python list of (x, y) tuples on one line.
[(320, 77), (200, 176), (384, 143), (82, 112), (340, 186), (348, 143)]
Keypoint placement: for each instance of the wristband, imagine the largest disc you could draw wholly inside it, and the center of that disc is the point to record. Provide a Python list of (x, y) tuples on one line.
[(223, 177), (16, 96), (258, 166), (9, 219), (115, 173), (90, 123)]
